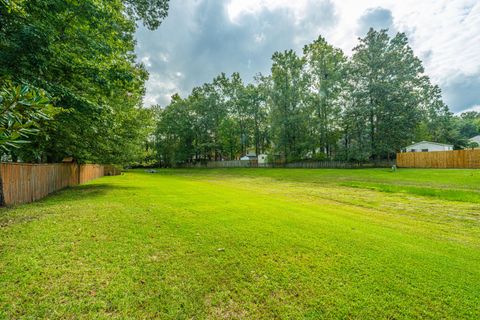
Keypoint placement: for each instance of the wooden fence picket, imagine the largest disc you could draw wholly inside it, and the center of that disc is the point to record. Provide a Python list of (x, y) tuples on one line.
[(460, 159), (25, 182)]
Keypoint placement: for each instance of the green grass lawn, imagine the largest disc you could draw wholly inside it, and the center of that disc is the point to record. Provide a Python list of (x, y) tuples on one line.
[(248, 244)]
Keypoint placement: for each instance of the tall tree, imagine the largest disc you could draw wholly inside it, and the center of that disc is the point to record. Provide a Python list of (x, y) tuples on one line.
[(387, 76), (255, 99), (288, 118), (325, 69), (175, 133)]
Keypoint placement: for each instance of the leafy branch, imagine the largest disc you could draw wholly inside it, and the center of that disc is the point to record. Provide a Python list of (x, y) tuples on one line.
[(22, 109)]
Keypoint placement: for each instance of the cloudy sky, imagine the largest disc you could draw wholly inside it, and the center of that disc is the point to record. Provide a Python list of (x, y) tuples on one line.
[(202, 38)]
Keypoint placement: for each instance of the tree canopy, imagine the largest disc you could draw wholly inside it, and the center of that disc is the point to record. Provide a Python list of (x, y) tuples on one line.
[(81, 53), (319, 105)]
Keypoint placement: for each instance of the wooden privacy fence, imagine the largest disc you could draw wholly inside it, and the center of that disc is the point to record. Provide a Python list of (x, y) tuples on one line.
[(24, 182), (465, 159)]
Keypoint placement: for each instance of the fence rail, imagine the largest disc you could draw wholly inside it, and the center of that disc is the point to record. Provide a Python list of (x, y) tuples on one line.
[(23, 182), (461, 159), (302, 164)]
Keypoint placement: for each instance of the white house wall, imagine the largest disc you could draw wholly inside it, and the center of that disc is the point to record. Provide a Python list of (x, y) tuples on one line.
[(430, 146)]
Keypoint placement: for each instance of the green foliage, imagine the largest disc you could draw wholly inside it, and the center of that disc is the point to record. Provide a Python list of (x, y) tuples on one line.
[(22, 110), (288, 117), (320, 156), (81, 54), (464, 127), (317, 106), (326, 70), (473, 145), (220, 120), (151, 12), (174, 136), (384, 112)]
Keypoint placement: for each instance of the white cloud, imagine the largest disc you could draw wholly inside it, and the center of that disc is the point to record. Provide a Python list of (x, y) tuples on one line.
[(159, 89), (449, 29), (146, 61), (237, 8), (474, 108), (445, 34), (163, 57), (259, 37)]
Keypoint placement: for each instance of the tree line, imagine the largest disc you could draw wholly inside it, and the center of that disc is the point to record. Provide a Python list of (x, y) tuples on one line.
[(318, 105)]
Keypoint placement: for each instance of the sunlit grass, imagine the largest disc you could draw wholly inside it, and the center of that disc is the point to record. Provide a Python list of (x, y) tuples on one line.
[(445, 194), (247, 244)]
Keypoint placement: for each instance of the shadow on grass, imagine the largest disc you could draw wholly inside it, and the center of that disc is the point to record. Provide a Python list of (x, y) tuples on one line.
[(85, 191), (56, 202)]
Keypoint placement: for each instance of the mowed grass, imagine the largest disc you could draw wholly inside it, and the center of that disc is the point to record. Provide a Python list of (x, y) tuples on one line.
[(248, 244)]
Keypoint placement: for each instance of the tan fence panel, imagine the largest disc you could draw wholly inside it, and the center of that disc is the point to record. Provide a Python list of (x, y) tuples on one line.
[(465, 159), (89, 172), (30, 182), (24, 182)]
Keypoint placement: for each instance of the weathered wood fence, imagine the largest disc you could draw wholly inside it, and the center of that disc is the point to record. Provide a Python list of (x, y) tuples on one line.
[(302, 164), (465, 159), (24, 182)]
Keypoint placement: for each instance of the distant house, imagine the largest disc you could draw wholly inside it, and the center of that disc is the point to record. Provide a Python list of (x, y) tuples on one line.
[(427, 146), (475, 139), (249, 156)]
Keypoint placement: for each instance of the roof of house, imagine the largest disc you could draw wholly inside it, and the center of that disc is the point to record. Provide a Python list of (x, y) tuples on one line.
[(475, 137), (430, 142)]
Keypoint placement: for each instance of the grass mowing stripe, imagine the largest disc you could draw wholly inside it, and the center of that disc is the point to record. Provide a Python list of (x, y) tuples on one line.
[(205, 244), (445, 194)]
